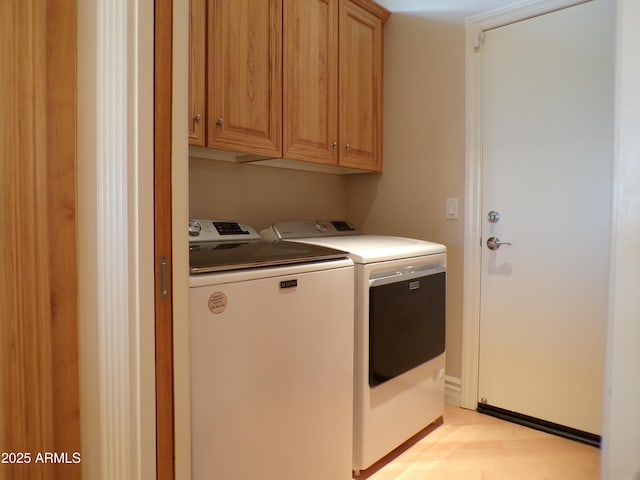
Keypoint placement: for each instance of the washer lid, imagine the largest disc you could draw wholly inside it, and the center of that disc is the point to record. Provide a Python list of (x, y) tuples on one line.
[(205, 257), (377, 248)]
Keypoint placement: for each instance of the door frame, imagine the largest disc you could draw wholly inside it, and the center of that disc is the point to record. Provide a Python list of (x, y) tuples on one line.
[(475, 28)]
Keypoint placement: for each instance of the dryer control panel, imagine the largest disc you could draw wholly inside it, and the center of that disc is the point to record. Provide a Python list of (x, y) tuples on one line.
[(309, 229)]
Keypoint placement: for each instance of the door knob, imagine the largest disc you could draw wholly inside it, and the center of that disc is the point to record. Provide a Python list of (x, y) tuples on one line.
[(494, 243)]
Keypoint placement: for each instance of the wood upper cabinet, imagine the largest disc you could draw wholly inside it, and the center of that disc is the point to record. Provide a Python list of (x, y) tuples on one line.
[(360, 84), (310, 79), (244, 76), (333, 82), (197, 71), (292, 79)]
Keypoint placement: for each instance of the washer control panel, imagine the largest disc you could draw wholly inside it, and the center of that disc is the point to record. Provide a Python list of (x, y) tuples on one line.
[(219, 230)]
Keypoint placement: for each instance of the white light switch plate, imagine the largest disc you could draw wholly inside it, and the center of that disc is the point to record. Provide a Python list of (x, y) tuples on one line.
[(452, 209)]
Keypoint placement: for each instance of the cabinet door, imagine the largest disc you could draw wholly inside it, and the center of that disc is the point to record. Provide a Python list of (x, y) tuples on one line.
[(245, 76), (360, 75), (310, 64), (197, 73)]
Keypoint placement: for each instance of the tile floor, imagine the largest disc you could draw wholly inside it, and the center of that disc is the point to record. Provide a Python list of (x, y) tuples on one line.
[(472, 446)]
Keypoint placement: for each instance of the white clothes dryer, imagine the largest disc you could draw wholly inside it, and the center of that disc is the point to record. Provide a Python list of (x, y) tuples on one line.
[(400, 288)]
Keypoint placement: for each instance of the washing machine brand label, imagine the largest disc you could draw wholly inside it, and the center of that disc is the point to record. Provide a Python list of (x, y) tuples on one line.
[(289, 283), (414, 285), (217, 302)]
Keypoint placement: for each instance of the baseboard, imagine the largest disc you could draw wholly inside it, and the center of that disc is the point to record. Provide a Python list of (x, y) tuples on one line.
[(452, 390)]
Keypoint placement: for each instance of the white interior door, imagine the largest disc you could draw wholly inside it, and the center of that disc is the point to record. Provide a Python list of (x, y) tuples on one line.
[(547, 160)]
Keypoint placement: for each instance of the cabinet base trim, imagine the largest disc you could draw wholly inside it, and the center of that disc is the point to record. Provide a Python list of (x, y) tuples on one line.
[(210, 154)]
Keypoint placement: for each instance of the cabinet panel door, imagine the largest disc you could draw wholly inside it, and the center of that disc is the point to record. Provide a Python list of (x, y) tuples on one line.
[(245, 76), (360, 75), (311, 80), (197, 73)]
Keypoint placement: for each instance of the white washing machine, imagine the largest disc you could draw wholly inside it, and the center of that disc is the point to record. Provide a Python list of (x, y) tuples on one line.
[(271, 329), (400, 331)]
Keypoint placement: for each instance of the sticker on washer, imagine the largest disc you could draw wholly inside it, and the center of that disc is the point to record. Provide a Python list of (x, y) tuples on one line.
[(217, 302)]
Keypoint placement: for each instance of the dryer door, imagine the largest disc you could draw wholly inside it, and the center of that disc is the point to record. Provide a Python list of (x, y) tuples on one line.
[(406, 322)]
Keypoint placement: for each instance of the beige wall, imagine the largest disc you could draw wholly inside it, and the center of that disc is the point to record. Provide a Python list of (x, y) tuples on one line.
[(258, 195), (424, 149)]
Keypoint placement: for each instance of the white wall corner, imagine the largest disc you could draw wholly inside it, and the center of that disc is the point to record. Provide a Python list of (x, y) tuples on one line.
[(621, 429), (115, 192)]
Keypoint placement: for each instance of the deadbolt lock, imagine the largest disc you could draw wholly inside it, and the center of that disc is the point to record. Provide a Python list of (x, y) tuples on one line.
[(493, 216)]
